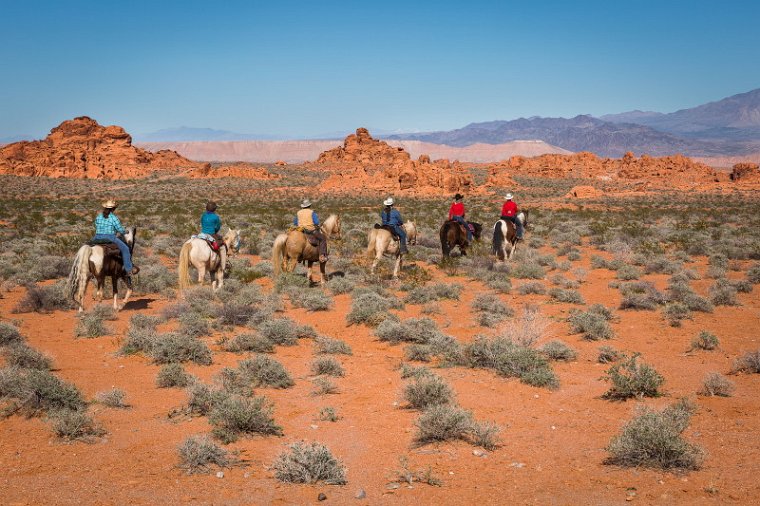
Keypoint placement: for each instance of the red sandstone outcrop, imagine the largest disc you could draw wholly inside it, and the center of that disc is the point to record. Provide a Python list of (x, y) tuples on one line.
[(364, 163), (584, 192), (745, 172), (81, 148), (238, 170)]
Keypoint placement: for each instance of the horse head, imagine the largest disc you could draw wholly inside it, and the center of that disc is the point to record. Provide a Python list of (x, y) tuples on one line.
[(232, 240), (129, 237), (524, 218), (336, 227), (477, 230)]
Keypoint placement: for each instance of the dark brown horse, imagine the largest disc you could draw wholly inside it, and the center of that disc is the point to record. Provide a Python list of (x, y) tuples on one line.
[(452, 234), (98, 261)]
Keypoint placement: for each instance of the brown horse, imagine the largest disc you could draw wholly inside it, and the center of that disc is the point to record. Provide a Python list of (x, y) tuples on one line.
[(294, 247), (452, 234), (97, 262)]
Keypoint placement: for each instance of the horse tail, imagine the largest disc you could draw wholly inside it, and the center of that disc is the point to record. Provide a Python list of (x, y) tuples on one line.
[(445, 247), (498, 237), (278, 253), (79, 274), (183, 269)]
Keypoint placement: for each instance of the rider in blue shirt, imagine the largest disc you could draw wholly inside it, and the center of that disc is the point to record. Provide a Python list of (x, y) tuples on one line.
[(107, 225), (392, 218)]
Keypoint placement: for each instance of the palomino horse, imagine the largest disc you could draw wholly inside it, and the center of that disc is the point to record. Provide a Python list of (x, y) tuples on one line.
[(380, 242), (452, 234), (505, 237), (198, 253), (331, 227), (293, 247), (97, 262)]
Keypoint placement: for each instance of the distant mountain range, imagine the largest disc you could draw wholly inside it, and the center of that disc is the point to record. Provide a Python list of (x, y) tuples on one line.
[(724, 128), (190, 134)]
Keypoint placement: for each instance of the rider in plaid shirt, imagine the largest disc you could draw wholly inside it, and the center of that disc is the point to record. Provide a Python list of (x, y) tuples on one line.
[(107, 225)]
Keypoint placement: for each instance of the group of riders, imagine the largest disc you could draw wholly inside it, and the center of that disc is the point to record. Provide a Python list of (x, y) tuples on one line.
[(108, 227)]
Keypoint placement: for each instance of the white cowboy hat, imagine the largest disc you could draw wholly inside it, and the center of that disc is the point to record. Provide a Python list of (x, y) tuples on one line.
[(306, 203), (109, 204), (388, 201), (508, 196)]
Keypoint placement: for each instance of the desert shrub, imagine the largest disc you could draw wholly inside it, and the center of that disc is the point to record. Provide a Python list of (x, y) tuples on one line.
[(138, 339), (705, 341), (675, 312), (557, 350), (528, 270), (237, 415), (73, 425), (340, 286), (310, 300), (723, 293), (442, 422), (526, 329), (628, 273), (37, 391), (323, 386), (593, 323), (436, 291), (661, 265), (330, 346), (156, 278), (172, 375), (742, 286), (418, 353), (24, 356), (234, 313), (328, 366), (568, 296), (698, 303), (284, 331), (511, 360), (198, 453), (114, 398), (172, 347), (309, 463), (486, 434), (632, 379), (9, 334), (199, 300), (749, 362), (640, 295), (531, 287), (249, 342), (495, 280), (753, 274), (91, 324), (194, 325), (44, 299), (410, 371), (428, 390), (328, 414), (264, 371), (290, 279), (608, 354), (715, 384), (201, 399), (653, 439), (411, 330), (371, 308)]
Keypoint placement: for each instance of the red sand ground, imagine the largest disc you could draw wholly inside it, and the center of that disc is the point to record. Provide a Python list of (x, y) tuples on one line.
[(553, 442)]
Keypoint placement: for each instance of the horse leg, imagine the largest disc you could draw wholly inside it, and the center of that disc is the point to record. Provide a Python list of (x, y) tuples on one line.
[(375, 262), (126, 296), (201, 274), (514, 247), (115, 290), (322, 274), (397, 267), (309, 267), (219, 279)]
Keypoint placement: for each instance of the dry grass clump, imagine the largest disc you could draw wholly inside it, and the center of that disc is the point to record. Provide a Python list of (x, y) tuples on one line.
[(436, 291), (408, 476), (323, 386), (608, 354), (44, 299), (511, 360), (92, 323), (249, 342), (559, 351), (427, 390), (526, 329), (676, 312), (173, 375), (328, 414), (715, 384), (310, 300), (73, 425), (749, 362), (173, 347), (327, 366), (198, 453), (114, 398), (653, 439), (633, 379), (705, 341), (371, 308), (309, 463), (236, 415), (593, 323), (330, 346), (284, 331)]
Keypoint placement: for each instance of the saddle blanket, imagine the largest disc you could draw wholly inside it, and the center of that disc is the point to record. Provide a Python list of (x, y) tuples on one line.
[(210, 239)]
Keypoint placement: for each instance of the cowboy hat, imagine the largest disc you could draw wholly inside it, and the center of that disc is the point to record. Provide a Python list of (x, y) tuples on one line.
[(388, 201), (305, 203), (109, 204), (458, 196), (508, 196)]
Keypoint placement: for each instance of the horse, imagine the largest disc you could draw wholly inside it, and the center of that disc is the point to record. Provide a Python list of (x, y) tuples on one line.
[(293, 247), (380, 242), (505, 233), (198, 253), (331, 227), (452, 234), (97, 262)]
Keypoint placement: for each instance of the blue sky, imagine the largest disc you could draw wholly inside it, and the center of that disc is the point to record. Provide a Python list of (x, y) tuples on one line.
[(306, 68)]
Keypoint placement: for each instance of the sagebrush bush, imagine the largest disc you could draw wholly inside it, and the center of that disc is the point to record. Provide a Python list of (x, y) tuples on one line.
[(675, 312), (705, 341), (491, 304), (628, 273), (593, 323), (510, 360), (753, 274), (411, 330), (608, 354), (9, 334), (653, 439), (528, 270), (235, 415), (91, 324), (284, 331), (327, 366), (201, 399), (557, 350), (340, 286), (194, 325), (371, 308), (44, 299), (330, 346), (198, 453), (328, 414), (723, 293), (172, 347), (75, 425), (410, 371), (715, 384), (309, 463), (264, 371), (633, 379), (428, 390), (531, 287), (442, 422), (323, 386), (311, 300), (35, 391), (568, 296), (234, 313), (436, 291), (23, 356), (526, 329), (418, 353), (114, 398), (485, 434), (172, 375), (749, 362)]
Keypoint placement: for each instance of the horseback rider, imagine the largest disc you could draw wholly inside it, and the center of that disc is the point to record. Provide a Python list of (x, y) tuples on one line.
[(456, 213), (211, 224), (509, 212), (308, 220), (392, 218), (107, 225)]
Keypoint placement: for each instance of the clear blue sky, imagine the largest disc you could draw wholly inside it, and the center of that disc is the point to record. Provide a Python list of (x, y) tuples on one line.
[(305, 68)]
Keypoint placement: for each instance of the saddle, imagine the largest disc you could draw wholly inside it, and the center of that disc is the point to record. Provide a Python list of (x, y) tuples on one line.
[(454, 222), (390, 229), (109, 248), (313, 240)]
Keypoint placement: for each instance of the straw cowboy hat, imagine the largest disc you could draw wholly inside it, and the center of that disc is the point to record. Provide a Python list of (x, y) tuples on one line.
[(508, 196), (305, 203), (109, 204), (388, 201)]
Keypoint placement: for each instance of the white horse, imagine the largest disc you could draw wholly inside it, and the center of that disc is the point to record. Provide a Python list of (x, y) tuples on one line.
[(97, 262), (380, 242), (198, 253), (331, 227), (505, 237)]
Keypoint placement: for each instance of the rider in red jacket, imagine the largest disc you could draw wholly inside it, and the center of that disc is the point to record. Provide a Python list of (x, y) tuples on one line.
[(456, 213), (509, 212)]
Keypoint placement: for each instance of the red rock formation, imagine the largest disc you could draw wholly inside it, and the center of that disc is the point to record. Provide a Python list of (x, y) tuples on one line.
[(239, 170), (745, 172), (81, 148), (367, 164), (584, 192)]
